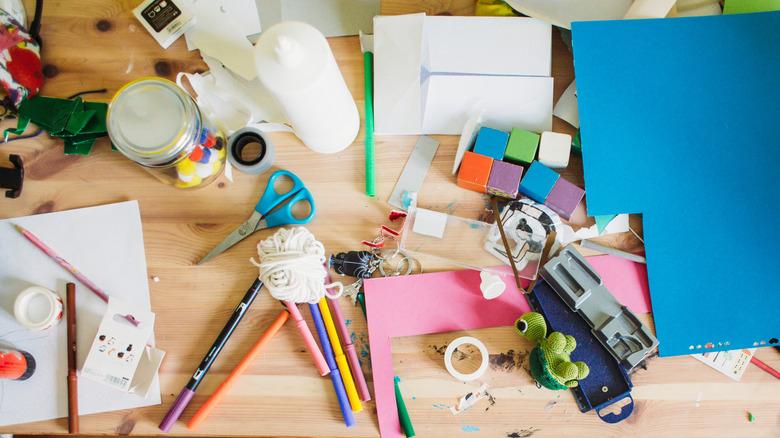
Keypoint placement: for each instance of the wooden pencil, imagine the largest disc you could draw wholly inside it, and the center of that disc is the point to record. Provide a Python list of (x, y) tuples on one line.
[(73, 394)]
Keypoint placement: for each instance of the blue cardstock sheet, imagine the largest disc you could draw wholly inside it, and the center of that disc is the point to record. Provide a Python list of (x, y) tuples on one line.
[(680, 121)]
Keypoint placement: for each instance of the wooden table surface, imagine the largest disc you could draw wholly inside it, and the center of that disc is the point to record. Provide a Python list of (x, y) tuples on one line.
[(96, 43)]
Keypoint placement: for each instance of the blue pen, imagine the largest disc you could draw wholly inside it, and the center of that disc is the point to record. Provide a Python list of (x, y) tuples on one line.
[(335, 376)]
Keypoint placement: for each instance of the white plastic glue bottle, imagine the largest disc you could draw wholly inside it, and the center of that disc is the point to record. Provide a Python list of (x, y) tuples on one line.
[(296, 65)]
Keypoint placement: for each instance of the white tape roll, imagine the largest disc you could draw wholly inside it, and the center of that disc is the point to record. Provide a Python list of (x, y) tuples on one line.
[(38, 308), (451, 349), (250, 136)]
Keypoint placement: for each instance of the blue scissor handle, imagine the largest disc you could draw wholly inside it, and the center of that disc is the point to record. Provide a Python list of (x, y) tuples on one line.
[(270, 198), (284, 215)]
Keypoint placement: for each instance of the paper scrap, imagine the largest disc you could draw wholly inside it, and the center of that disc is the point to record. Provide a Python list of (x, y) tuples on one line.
[(333, 18), (218, 33), (649, 9), (748, 6), (696, 8), (470, 399), (566, 107), (603, 220), (618, 225), (626, 280), (429, 222), (732, 363), (562, 13)]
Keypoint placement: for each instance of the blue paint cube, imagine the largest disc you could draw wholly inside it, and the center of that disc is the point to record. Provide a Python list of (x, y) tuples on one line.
[(538, 181), (492, 143)]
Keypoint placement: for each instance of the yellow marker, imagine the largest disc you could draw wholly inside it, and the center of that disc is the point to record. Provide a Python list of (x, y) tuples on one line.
[(341, 360)]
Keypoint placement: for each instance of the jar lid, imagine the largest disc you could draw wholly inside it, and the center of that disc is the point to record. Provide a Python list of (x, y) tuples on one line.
[(149, 119)]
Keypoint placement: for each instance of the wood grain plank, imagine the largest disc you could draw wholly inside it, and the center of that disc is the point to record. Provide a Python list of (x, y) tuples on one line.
[(281, 394)]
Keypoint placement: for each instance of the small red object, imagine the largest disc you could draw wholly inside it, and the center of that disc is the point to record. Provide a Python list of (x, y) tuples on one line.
[(210, 141), (196, 154)]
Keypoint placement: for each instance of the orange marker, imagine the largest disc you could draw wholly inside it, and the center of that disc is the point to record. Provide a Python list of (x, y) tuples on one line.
[(225, 386)]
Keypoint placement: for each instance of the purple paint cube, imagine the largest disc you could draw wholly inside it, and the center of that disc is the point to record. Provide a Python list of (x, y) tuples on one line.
[(504, 179), (564, 198)]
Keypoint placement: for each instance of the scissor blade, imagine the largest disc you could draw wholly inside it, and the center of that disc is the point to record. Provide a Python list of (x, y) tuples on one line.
[(239, 234)]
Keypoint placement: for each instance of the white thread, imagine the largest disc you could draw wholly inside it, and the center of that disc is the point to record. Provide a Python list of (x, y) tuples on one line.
[(292, 267)]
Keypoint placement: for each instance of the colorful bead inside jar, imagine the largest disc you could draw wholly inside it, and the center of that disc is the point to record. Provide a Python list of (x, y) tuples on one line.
[(157, 124)]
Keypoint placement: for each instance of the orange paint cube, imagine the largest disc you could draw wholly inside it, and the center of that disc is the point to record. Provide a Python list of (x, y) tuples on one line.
[(475, 172)]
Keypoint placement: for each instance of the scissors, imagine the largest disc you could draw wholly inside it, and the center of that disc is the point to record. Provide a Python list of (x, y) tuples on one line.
[(272, 210)]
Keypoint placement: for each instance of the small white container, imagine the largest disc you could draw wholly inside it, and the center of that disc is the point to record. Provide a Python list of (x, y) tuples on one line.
[(295, 63)]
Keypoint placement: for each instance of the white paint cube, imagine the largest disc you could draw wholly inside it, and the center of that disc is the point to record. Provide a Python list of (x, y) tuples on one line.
[(554, 149)]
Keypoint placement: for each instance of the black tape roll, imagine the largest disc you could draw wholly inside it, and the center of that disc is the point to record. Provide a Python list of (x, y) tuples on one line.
[(243, 138)]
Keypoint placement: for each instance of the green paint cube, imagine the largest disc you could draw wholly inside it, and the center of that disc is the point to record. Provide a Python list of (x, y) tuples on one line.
[(522, 146)]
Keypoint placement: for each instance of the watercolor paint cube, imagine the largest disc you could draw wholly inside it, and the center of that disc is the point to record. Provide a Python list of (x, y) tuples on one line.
[(555, 149), (491, 142), (564, 198), (474, 172), (522, 146), (538, 181), (504, 179)]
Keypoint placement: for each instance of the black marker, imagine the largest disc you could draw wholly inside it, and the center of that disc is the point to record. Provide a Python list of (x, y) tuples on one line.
[(189, 390)]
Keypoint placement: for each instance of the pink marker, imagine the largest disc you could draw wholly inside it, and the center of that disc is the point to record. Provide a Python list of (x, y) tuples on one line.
[(311, 344), (354, 363)]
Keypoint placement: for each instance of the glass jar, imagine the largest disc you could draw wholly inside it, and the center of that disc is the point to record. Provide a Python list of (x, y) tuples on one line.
[(157, 124)]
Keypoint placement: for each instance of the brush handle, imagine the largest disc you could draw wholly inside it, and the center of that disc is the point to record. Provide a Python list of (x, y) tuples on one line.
[(368, 78), (308, 338), (73, 386), (225, 386), (403, 413), (335, 376), (341, 360), (352, 357), (219, 343)]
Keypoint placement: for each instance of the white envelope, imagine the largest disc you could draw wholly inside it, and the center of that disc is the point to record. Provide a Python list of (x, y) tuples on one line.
[(432, 73)]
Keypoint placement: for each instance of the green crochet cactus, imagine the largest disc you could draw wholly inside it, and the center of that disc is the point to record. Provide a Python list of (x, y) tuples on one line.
[(550, 360)]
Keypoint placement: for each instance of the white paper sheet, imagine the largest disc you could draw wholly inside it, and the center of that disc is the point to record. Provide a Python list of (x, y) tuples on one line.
[(487, 46), (566, 108), (417, 62), (221, 31), (507, 102), (331, 17), (561, 13), (106, 244)]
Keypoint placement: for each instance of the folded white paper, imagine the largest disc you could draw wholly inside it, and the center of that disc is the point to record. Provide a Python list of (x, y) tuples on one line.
[(429, 79), (566, 107)]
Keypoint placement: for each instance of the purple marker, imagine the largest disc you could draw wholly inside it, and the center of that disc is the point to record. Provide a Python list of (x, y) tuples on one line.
[(335, 376)]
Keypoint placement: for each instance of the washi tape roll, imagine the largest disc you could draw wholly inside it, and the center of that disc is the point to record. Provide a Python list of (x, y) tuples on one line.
[(464, 340), (244, 138), (38, 308)]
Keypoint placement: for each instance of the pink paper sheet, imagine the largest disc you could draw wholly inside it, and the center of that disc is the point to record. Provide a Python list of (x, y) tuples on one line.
[(423, 304), (449, 301), (626, 280)]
